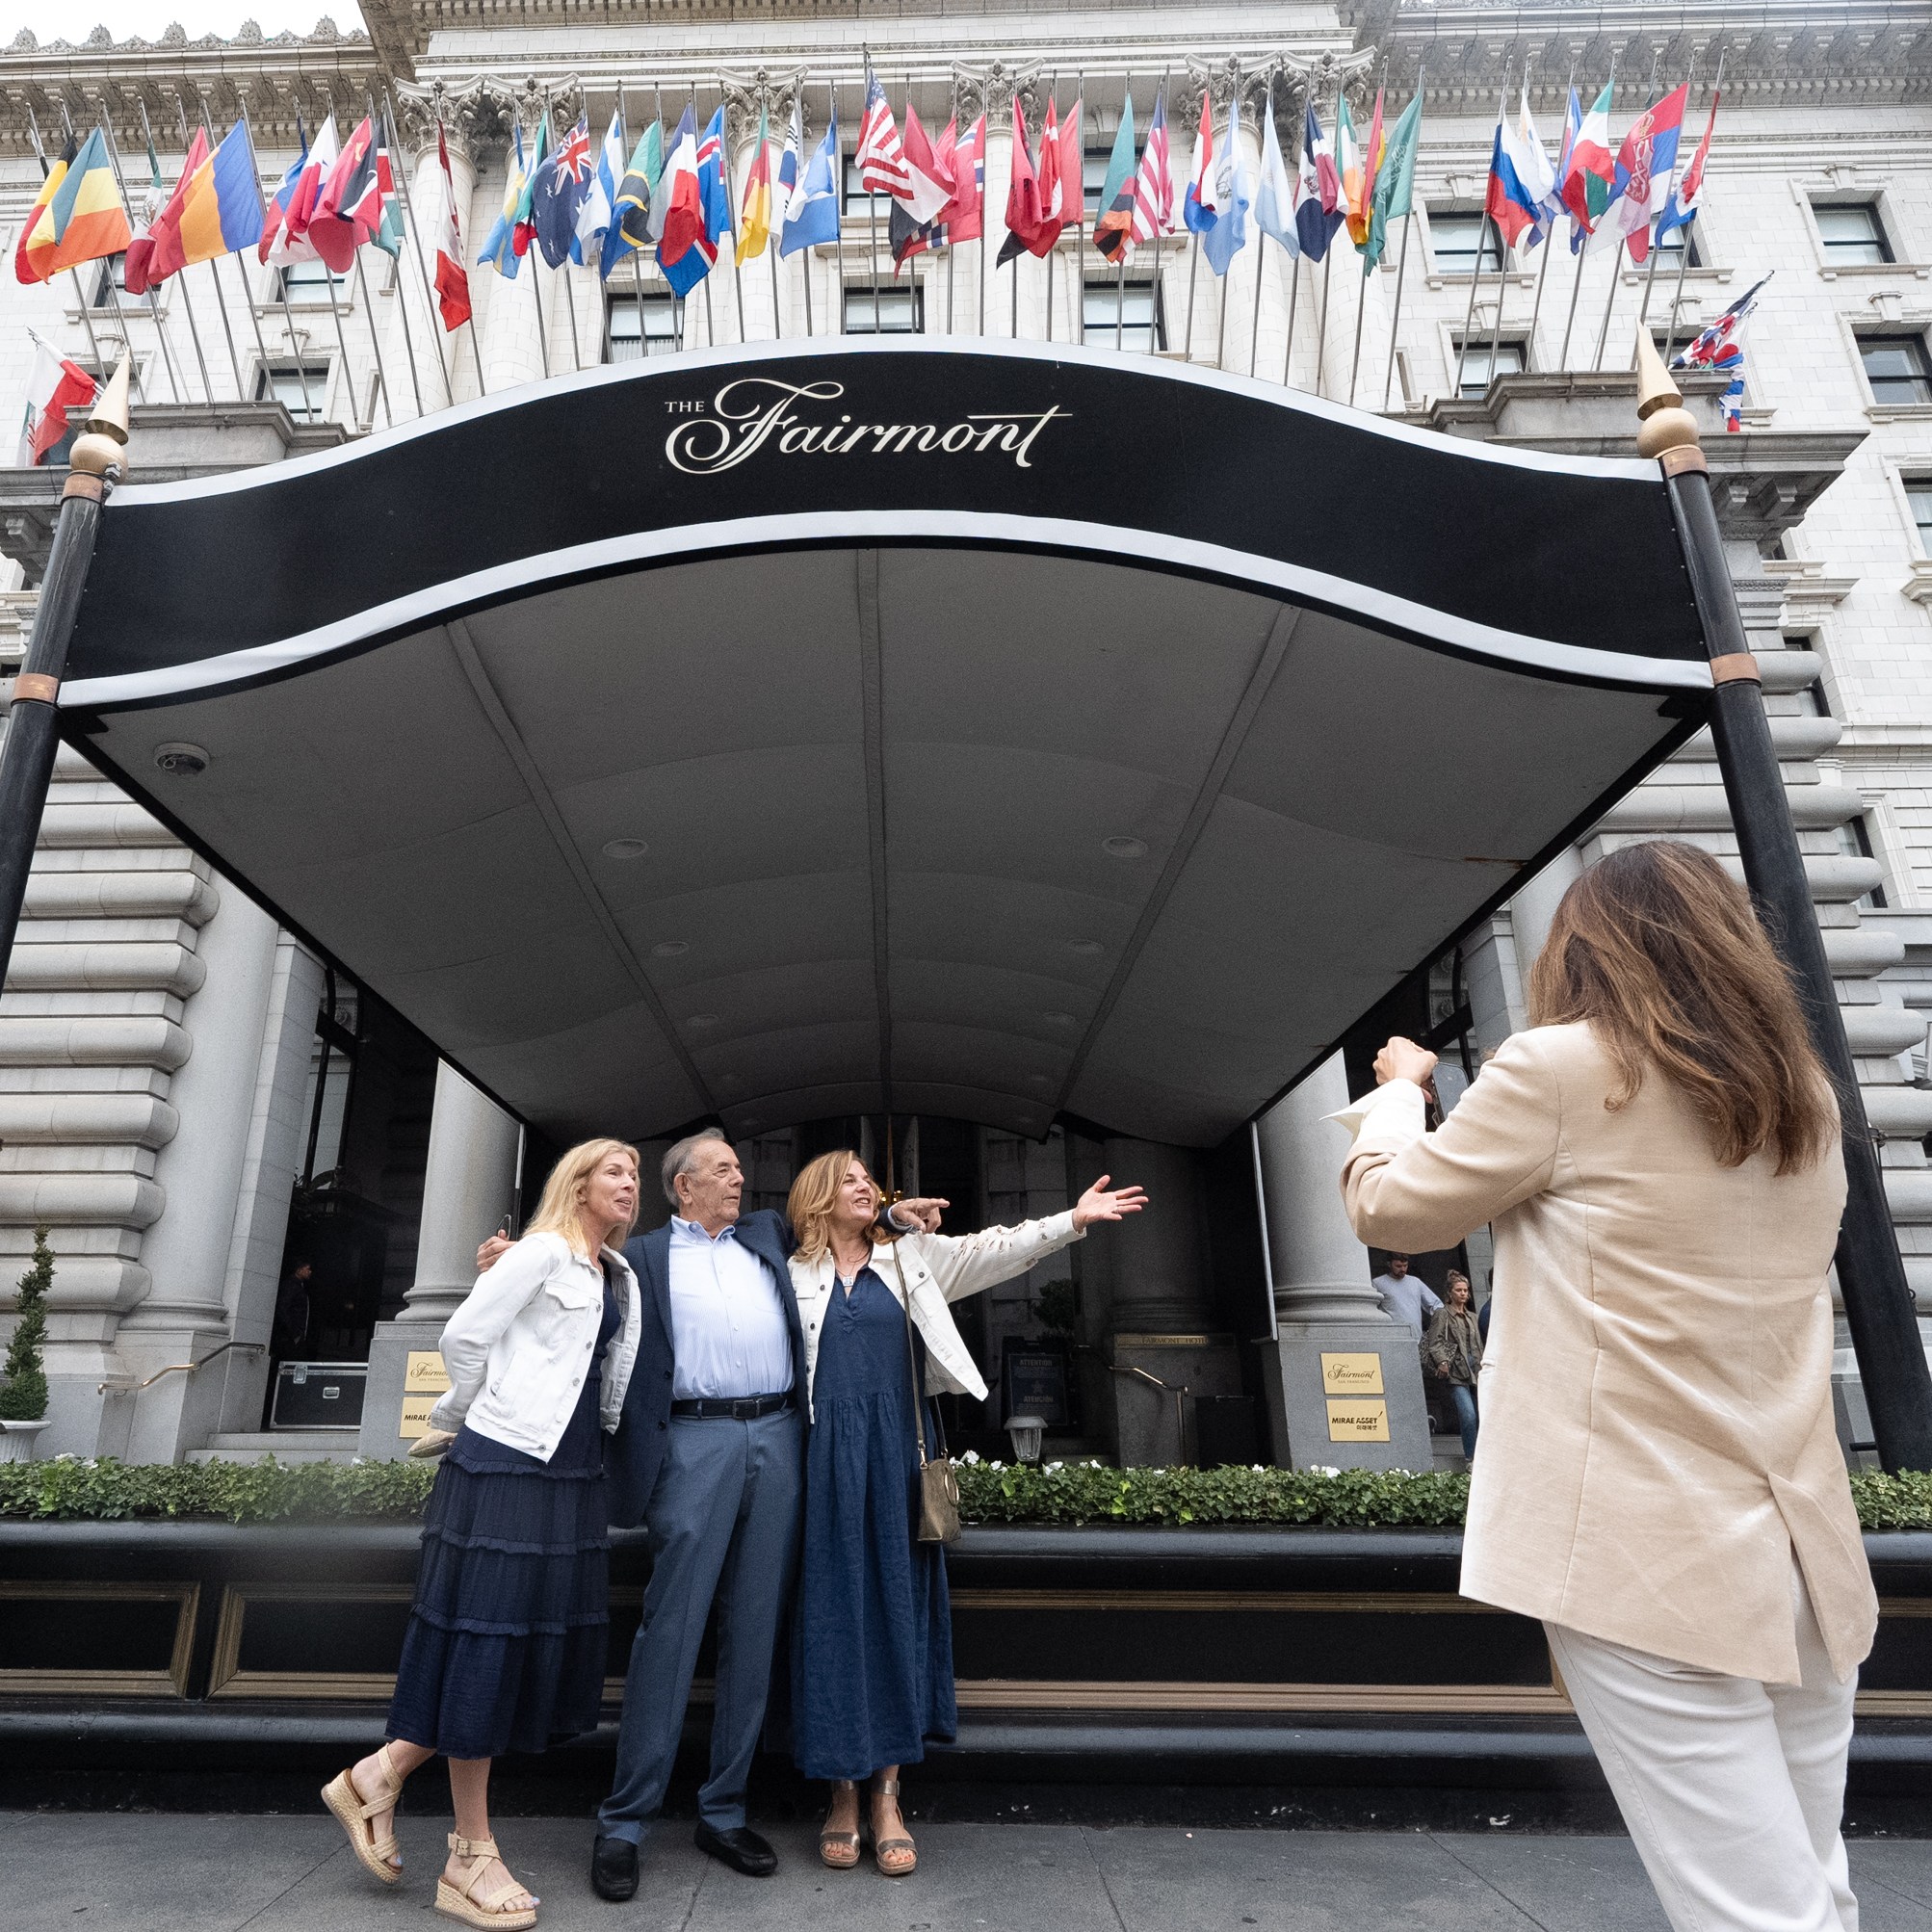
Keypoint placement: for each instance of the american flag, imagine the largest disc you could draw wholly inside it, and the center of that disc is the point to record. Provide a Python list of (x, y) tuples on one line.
[(1154, 181), (881, 160)]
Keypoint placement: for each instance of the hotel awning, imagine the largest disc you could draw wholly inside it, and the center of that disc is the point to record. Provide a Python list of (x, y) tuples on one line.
[(988, 731)]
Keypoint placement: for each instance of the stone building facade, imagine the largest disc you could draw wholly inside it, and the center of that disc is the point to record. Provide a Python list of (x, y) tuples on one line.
[(176, 1074)]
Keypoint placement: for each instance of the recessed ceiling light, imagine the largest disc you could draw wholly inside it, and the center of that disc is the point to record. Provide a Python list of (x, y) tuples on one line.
[(625, 848), (700, 1022), (669, 949), (1124, 848), (181, 761), (1087, 947)]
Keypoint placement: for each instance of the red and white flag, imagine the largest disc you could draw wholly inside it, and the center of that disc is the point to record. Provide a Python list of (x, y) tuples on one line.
[(453, 281), (929, 174), (881, 160), (55, 388), (963, 218), (1153, 180)]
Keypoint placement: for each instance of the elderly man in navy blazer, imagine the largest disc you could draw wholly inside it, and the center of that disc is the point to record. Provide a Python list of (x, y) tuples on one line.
[(707, 1456)]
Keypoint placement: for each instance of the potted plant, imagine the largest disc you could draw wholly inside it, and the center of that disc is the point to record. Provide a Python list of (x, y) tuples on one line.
[(23, 1377)]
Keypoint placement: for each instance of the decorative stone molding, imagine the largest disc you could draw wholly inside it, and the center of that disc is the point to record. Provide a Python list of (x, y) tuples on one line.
[(990, 89), (475, 118)]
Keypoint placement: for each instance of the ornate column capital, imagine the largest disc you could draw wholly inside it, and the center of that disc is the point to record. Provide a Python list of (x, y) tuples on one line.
[(476, 118), (989, 88)]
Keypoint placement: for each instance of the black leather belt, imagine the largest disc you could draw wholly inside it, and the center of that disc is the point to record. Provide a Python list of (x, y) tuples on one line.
[(732, 1408)]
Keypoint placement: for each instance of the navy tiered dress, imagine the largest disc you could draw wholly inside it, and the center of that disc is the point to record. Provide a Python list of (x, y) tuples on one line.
[(508, 1634), (872, 1657)]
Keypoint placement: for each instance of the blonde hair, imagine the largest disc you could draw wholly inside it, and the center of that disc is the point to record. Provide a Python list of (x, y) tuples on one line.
[(560, 1211), (814, 1195)]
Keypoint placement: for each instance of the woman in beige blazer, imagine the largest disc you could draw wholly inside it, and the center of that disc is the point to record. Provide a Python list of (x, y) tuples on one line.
[(1659, 1478)]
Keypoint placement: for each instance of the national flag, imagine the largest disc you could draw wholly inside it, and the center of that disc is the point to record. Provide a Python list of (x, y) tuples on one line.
[(1275, 203), (1347, 163), (524, 231), (56, 388), (1023, 194), (1233, 194), (1063, 177), (24, 266), (880, 157), (1395, 181), (453, 282), (1362, 204), (388, 235), (754, 217), (349, 210), (1317, 191), (1588, 169), (139, 251), (1646, 164), (1511, 202), (215, 209), (1154, 179), (499, 249), (965, 217), (1721, 346), (1113, 211), (156, 254), (679, 213), (1531, 161), (595, 213), (557, 195), (1198, 207), (83, 219), (636, 198), (1688, 196), (912, 234), (713, 182), (812, 214), (286, 227)]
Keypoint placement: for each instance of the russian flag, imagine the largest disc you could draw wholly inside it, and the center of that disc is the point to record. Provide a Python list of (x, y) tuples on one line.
[(1512, 203)]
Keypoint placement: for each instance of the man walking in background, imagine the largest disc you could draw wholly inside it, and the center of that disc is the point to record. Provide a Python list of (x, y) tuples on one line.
[(1405, 1297)]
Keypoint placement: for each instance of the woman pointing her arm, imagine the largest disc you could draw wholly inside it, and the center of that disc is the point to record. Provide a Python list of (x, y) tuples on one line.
[(872, 1670), (1660, 1480)]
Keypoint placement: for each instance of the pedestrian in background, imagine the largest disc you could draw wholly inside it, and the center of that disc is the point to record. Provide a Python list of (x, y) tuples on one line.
[(1452, 1354), (1661, 1483), (1405, 1297), (508, 1635)]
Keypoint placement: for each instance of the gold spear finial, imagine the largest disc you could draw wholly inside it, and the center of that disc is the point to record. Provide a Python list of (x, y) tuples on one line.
[(97, 450), (1666, 424)]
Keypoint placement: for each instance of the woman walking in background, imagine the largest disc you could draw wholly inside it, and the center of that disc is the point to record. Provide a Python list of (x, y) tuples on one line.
[(1452, 1354), (1660, 1480), (871, 1655), (507, 1639)]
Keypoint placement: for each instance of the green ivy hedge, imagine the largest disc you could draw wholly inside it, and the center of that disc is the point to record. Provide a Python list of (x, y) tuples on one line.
[(70, 1489)]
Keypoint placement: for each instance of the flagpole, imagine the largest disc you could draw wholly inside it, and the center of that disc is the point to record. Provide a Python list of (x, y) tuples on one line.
[(563, 268), (1261, 238), (242, 274), (310, 413), (1643, 313), (1623, 243), (114, 294), (1550, 235), (415, 239), (1482, 227), (153, 301), (376, 122), (1502, 255), (805, 267), (837, 202), (1369, 171), (1080, 213), (1157, 237), (1193, 272), (637, 253), (1293, 304), (1395, 320), (81, 294), (222, 306), (730, 202)]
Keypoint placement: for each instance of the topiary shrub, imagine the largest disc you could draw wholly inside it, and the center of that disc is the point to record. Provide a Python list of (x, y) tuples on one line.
[(23, 1394)]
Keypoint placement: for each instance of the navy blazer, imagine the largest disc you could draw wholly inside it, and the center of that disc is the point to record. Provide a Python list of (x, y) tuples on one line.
[(636, 1453)]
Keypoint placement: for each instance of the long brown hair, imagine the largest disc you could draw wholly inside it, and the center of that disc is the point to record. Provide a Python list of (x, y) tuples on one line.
[(808, 1207), (1661, 952)]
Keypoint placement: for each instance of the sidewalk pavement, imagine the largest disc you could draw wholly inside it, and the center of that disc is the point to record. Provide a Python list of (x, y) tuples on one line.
[(179, 1872)]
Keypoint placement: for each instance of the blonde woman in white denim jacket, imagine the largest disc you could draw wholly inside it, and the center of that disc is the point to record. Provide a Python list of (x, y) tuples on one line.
[(506, 1644)]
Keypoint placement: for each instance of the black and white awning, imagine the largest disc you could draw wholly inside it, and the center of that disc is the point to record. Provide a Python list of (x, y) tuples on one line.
[(985, 731)]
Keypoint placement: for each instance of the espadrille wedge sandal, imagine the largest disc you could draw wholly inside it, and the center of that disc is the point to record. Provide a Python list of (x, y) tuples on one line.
[(469, 1905), (380, 1856), (895, 1857)]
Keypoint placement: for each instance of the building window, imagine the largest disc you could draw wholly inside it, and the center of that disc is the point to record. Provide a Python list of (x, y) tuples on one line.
[(1093, 165), (1475, 364), (1919, 500), (1679, 250), (1898, 370), (1851, 233), (641, 326), (109, 282), (1854, 841), (284, 383), (1124, 317), (1462, 241), (899, 311), (856, 197), (309, 282)]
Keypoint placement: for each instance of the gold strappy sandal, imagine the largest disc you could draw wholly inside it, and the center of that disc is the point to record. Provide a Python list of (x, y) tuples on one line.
[(374, 1854), (844, 1844), (888, 1788), (489, 1914)]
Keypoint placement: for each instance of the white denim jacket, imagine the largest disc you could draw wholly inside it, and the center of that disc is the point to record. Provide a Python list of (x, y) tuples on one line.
[(938, 1269), (519, 1348)]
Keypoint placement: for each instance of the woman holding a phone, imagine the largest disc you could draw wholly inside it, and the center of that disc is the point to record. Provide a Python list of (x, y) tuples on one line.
[(506, 1644)]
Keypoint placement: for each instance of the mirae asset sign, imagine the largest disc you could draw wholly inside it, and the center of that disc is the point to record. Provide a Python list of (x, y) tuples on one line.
[(795, 419)]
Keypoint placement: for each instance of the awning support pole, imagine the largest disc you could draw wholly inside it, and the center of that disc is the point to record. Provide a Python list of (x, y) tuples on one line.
[(33, 719), (1878, 1302)]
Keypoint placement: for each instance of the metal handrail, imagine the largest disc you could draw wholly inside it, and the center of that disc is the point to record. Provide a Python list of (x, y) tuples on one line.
[(122, 1386), (1179, 1394)]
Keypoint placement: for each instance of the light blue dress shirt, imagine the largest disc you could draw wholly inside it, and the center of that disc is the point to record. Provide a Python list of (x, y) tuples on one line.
[(727, 1324), (1411, 1300)]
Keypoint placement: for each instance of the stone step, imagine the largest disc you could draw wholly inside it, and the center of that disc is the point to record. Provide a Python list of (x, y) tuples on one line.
[(284, 1445)]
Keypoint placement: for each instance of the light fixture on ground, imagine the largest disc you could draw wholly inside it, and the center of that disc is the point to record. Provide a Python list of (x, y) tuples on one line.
[(1025, 1432)]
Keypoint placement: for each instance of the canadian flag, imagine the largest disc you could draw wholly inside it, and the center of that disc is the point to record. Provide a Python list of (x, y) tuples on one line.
[(453, 282)]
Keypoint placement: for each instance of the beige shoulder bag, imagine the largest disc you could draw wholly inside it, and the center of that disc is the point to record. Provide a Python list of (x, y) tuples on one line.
[(938, 1481)]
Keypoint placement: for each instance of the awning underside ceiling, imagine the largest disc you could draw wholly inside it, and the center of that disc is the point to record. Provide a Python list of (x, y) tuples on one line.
[(1018, 833)]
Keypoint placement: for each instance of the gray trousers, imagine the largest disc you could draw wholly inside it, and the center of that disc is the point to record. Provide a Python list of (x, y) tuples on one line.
[(723, 1523)]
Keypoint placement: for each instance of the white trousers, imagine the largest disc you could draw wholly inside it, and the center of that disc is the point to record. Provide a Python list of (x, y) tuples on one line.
[(1732, 1789)]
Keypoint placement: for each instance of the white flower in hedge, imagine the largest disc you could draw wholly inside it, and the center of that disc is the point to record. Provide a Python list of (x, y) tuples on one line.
[(1326, 1469), (1052, 1465), (971, 1455), (1257, 1469)]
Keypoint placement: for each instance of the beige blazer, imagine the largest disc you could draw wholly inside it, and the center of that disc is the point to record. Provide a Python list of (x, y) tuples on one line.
[(1656, 1417)]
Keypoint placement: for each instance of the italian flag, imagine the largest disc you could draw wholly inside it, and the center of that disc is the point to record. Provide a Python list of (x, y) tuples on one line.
[(1586, 187)]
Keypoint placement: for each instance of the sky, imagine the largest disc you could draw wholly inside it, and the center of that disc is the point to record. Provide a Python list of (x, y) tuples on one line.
[(75, 19)]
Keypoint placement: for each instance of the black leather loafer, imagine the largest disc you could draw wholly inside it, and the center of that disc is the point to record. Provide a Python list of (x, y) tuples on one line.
[(613, 1869), (742, 1850)]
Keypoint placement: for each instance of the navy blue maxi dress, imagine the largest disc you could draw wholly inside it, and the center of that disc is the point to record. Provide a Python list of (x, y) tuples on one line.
[(871, 1643), (508, 1634)]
